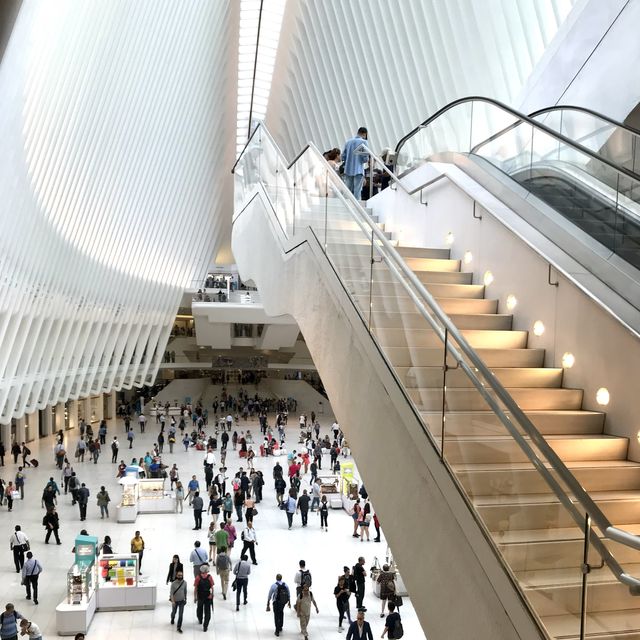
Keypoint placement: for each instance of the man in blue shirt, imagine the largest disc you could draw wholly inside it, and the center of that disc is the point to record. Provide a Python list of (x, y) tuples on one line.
[(354, 161), (279, 597)]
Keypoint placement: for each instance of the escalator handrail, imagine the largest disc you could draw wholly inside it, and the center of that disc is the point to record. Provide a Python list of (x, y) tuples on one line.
[(591, 112), (400, 268), (521, 118)]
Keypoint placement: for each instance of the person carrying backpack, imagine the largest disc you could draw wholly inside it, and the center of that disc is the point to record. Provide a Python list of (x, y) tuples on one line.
[(302, 577), (203, 595), (279, 597), (393, 623)]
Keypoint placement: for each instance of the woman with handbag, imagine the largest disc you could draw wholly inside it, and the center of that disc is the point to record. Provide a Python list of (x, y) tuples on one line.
[(384, 579)]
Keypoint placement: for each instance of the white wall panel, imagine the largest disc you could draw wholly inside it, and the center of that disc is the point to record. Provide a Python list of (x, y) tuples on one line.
[(116, 123), (388, 64)]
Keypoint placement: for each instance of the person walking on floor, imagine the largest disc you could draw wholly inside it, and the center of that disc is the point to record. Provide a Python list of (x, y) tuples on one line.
[(19, 480), (9, 623), (342, 594), (115, 447), (392, 622), (203, 595), (302, 577), (193, 486), (174, 568), (178, 597), (250, 540), (179, 493), (324, 514), (291, 506), (83, 499), (279, 597), (197, 558), (360, 576), (51, 523), (223, 567), (198, 508), (303, 609), (19, 544), (359, 629), (303, 507), (130, 437), (103, 501), (137, 546), (241, 571), (31, 570)]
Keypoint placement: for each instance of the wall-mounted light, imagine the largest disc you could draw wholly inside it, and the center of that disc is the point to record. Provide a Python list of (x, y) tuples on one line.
[(512, 302), (449, 238), (468, 257), (487, 278), (568, 360), (538, 328), (602, 396), (638, 436)]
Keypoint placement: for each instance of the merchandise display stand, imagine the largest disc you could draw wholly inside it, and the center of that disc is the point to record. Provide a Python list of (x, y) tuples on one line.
[(120, 587), (110, 583), (75, 618), (143, 496)]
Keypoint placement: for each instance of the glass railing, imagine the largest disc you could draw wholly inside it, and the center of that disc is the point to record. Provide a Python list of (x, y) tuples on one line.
[(611, 140), (595, 194), (529, 504)]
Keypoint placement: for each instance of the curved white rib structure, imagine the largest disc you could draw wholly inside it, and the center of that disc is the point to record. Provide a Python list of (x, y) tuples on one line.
[(112, 119)]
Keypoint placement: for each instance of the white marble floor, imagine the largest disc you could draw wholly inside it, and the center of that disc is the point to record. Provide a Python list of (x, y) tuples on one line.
[(279, 550)]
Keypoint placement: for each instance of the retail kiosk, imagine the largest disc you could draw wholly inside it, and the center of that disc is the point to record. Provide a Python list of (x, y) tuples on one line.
[(108, 583), (143, 496)]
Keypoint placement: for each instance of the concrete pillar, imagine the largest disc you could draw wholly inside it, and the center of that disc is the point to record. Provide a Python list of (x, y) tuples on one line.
[(47, 421), (60, 410), (5, 436), (98, 407), (32, 426), (72, 412), (112, 409), (88, 411), (21, 425)]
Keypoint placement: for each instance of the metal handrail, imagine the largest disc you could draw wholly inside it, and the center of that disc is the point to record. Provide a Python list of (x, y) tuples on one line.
[(591, 112), (400, 269), (521, 118)]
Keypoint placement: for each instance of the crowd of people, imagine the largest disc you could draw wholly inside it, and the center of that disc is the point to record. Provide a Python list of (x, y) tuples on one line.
[(229, 502)]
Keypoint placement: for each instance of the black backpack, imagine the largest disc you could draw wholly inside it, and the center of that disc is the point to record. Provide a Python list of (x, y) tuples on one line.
[(204, 587), (282, 595), (305, 578)]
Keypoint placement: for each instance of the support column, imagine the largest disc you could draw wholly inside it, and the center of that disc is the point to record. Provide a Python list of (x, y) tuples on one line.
[(98, 407), (88, 410), (112, 420), (5, 437), (60, 410), (47, 422), (20, 430), (72, 412), (32, 426)]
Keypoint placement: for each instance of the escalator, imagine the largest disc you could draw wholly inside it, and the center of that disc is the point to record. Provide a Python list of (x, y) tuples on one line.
[(498, 492), (610, 140), (580, 164)]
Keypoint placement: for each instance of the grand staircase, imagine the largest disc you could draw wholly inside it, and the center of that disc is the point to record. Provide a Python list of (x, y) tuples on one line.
[(540, 542), (538, 537)]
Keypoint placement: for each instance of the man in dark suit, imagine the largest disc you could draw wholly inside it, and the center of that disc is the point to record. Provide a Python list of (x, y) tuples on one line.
[(359, 629)]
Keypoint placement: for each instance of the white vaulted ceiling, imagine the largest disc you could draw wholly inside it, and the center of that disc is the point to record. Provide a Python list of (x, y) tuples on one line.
[(116, 121), (389, 64)]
